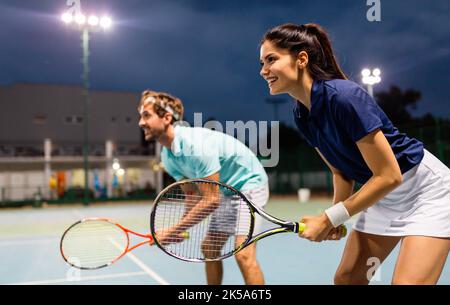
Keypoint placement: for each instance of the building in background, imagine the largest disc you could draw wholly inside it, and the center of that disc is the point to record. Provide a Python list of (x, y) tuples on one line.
[(41, 136)]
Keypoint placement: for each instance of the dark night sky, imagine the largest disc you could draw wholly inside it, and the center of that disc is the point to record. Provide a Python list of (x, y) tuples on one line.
[(206, 51)]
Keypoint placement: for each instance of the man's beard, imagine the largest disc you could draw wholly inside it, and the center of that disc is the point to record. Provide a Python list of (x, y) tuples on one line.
[(149, 136)]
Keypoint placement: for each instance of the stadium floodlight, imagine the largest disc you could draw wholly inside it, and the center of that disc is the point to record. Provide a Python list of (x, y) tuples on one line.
[(91, 23), (80, 19), (67, 18), (86, 25), (371, 78), (93, 20), (365, 72), (105, 22)]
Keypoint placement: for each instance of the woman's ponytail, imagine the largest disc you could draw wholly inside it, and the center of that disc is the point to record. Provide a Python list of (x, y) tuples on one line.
[(312, 39)]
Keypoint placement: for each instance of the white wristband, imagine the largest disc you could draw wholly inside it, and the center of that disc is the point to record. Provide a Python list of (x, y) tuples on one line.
[(337, 214)]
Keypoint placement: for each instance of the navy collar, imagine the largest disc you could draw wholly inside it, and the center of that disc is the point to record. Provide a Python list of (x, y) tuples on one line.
[(301, 111)]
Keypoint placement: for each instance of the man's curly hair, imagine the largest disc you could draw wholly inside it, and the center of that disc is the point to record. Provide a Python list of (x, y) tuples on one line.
[(162, 103)]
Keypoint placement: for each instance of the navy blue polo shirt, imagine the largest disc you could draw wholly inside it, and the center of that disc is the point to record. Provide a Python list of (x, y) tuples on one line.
[(341, 114)]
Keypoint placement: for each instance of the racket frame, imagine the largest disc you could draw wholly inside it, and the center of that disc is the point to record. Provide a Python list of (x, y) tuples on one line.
[(285, 226), (126, 231)]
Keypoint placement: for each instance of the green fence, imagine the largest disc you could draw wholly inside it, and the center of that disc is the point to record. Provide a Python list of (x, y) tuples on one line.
[(302, 163), (436, 138), (299, 166)]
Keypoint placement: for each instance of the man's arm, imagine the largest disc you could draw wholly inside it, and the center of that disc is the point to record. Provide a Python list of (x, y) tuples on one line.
[(191, 190), (210, 200)]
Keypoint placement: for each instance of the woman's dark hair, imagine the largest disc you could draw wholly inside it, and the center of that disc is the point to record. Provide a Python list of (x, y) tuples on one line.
[(312, 39)]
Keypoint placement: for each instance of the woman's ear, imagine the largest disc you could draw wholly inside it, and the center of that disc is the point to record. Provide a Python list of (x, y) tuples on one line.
[(302, 60)]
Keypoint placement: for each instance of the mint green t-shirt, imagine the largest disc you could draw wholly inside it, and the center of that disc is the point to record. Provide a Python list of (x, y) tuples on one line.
[(200, 152)]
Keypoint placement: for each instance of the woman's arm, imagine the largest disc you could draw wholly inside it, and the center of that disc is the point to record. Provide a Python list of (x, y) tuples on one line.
[(386, 174), (342, 189), (342, 186)]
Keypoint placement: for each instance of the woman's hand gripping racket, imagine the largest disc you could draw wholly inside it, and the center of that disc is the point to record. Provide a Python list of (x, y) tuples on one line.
[(93, 243), (219, 219)]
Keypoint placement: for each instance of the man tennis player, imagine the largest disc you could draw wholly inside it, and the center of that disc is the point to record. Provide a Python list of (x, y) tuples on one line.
[(194, 152)]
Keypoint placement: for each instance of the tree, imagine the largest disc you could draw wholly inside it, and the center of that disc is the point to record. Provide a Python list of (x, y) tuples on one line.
[(396, 103)]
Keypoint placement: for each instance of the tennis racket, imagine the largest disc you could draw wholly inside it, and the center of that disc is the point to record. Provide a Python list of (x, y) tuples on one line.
[(94, 243), (219, 219)]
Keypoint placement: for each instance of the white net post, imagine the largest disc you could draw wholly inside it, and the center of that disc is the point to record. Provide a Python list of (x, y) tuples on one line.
[(108, 169), (47, 167)]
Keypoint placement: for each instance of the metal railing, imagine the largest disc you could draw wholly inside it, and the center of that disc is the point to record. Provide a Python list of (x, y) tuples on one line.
[(36, 149)]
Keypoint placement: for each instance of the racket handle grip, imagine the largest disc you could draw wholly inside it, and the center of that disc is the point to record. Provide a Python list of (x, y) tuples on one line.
[(302, 228), (345, 230)]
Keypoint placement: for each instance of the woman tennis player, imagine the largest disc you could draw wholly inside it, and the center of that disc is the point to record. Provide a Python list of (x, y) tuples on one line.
[(406, 190)]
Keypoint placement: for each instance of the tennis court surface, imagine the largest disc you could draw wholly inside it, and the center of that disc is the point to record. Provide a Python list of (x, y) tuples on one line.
[(29, 250)]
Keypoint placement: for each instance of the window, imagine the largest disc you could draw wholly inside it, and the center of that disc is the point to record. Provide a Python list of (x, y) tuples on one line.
[(40, 119), (73, 120)]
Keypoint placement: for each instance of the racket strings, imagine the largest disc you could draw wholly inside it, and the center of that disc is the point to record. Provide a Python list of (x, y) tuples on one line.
[(94, 243), (214, 220)]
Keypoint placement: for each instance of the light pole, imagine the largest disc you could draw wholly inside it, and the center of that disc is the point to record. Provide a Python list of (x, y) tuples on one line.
[(371, 78), (86, 25)]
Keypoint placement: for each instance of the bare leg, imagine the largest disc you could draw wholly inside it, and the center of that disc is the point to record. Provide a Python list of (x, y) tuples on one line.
[(360, 247), (248, 264), (214, 272), (211, 247), (421, 260)]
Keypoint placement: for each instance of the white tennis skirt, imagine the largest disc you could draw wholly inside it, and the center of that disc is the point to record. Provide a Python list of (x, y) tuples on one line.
[(419, 206)]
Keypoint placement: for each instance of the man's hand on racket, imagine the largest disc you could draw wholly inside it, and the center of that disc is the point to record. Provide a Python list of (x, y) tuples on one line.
[(317, 229), (170, 236)]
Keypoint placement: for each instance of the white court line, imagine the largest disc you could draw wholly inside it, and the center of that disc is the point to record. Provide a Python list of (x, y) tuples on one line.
[(141, 265), (82, 279), (137, 261)]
